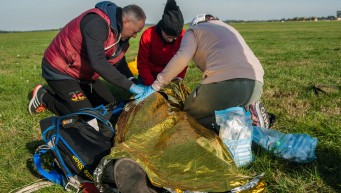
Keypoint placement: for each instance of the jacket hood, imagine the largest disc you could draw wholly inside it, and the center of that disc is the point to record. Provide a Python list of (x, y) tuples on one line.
[(111, 10)]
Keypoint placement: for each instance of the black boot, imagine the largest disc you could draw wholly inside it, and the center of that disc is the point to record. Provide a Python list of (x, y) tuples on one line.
[(131, 178)]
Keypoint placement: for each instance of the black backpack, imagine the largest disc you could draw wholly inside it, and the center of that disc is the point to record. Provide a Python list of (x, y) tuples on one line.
[(78, 142)]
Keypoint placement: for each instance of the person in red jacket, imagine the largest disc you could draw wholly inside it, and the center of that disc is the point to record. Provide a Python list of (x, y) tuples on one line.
[(159, 43), (90, 46)]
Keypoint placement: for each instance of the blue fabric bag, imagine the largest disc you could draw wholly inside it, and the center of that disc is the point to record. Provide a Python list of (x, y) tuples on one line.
[(236, 133)]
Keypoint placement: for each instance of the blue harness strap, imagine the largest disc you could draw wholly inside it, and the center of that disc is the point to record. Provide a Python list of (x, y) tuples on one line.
[(53, 175), (51, 137)]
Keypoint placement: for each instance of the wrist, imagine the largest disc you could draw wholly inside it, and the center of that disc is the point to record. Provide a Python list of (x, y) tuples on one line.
[(156, 85)]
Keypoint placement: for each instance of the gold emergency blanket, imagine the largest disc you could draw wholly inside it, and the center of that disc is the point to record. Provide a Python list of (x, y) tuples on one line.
[(173, 148)]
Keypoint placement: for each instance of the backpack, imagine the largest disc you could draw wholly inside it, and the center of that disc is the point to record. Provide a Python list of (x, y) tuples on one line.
[(77, 141)]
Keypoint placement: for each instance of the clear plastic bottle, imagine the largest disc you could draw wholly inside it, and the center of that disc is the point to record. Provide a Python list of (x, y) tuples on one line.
[(298, 148)]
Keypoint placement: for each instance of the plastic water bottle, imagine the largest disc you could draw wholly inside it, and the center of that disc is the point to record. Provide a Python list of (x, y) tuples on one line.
[(298, 148)]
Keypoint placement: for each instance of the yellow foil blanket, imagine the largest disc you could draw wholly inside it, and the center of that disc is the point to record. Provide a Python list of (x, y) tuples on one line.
[(173, 148)]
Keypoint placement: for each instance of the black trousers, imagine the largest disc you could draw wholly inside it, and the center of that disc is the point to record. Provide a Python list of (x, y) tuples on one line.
[(68, 96)]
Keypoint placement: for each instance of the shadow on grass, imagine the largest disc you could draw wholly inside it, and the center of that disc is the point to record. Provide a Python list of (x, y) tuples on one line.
[(326, 168), (329, 167)]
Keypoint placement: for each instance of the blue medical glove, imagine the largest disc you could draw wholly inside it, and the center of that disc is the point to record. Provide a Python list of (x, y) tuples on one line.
[(137, 89), (149, 90)]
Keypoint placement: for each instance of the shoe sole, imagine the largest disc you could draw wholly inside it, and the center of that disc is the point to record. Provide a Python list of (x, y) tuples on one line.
[(34, 93), (130, 177), (262, 115), (272, 119)]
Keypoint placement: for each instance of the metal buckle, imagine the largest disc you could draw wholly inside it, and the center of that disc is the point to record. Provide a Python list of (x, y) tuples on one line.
[(73, 185)]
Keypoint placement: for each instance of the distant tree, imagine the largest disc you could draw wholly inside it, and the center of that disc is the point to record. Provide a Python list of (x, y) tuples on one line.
[(331, 17), (338, 14), (313, 18), (2, 32), (301, 19)]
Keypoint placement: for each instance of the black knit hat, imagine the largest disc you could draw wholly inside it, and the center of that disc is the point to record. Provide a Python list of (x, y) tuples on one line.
[(172, 20)]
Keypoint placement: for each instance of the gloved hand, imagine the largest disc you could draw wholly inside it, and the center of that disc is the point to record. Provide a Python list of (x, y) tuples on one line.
[(138, 90), (148, 91)]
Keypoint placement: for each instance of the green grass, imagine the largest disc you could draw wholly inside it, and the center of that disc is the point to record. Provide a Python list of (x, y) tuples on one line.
[(295, 56)]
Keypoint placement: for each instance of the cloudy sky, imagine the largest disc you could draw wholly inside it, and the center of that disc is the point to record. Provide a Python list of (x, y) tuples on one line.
[(27, 15)]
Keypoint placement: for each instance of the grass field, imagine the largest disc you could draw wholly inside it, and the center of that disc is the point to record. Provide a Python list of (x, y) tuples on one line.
[(295, 56)]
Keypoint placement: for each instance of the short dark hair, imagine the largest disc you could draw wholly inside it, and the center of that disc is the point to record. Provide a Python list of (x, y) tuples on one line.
[(134, 11)]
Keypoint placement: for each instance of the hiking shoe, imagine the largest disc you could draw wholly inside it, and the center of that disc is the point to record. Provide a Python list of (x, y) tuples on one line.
[(131, 178), (36, 104), (259, 116), (272, 118)]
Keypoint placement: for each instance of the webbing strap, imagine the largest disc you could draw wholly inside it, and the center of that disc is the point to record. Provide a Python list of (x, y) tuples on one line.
[(32, 187), (53, 175)]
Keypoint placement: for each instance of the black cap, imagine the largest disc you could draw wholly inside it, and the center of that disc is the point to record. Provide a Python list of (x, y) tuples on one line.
[(172, 20)]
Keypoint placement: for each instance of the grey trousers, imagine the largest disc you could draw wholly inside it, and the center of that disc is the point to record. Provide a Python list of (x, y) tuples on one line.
[(207, 98)]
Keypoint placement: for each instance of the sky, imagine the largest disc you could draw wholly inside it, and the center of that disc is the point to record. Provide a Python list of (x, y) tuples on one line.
[(27, 15)]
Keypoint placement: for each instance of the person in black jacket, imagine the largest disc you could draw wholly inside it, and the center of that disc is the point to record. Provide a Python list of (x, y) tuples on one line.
[(89, 47)]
